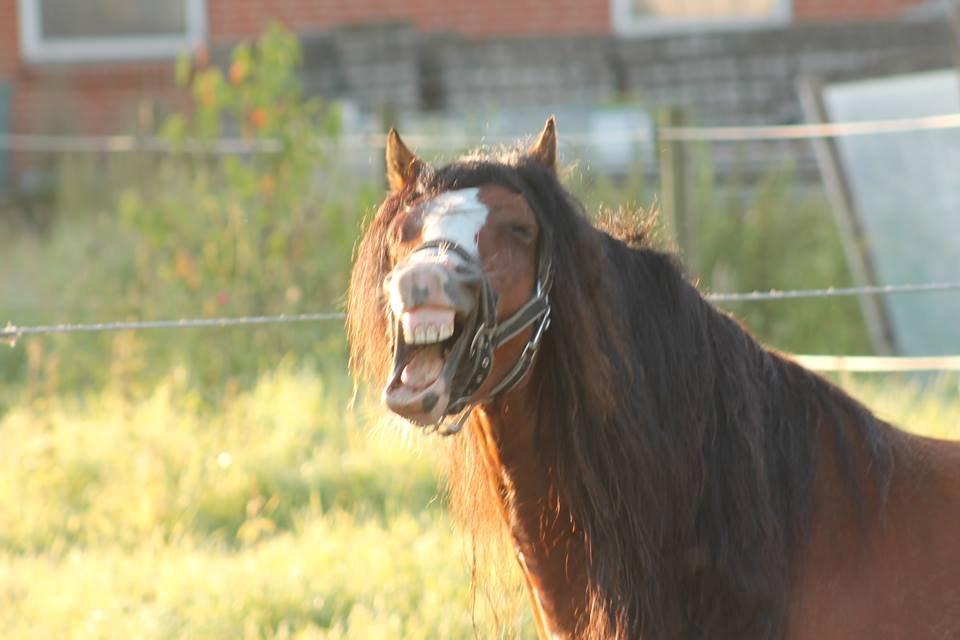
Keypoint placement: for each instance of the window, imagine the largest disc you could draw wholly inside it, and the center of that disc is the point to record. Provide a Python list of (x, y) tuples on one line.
[(82, 30), (658, 16)]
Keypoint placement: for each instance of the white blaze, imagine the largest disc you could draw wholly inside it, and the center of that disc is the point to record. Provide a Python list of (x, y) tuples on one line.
[(455, 216)]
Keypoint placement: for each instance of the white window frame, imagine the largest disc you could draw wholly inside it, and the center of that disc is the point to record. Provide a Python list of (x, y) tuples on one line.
[(626, 23), (36, 48)]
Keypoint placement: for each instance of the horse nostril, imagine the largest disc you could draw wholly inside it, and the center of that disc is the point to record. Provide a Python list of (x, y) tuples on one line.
[(417, 285), (419, 295)]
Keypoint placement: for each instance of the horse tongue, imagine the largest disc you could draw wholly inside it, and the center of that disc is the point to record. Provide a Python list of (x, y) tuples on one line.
[(424, 368)]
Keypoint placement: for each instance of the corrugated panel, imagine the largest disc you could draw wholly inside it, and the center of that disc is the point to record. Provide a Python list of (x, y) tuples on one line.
[(907, 197)]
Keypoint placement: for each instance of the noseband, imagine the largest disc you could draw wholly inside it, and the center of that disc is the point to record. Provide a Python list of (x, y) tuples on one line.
[(489, 335)]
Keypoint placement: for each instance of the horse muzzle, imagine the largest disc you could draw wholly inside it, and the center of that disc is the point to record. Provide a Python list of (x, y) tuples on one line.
[(445, 332), (434, 299)]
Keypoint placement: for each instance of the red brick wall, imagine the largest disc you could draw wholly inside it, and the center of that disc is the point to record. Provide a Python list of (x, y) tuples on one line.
[(92, 98), (97, 98), (88, 99), (233, 19), (827, 10), (9, 41), (101, 98)]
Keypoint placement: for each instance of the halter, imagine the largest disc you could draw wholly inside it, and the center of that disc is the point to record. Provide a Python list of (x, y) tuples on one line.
[(489, 335)]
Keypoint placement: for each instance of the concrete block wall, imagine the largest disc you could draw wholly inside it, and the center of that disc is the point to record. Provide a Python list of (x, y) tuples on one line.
[(474, 75), (743, 77), (748, 77), (375, 67)]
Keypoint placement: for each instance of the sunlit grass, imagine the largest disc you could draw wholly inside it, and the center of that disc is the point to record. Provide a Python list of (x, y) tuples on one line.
[(923, 404), (108, 469), (271, 512), (332, 576)]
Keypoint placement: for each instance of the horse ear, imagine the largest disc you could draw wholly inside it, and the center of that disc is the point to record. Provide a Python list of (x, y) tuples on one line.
[(403, 166), (544, 150)]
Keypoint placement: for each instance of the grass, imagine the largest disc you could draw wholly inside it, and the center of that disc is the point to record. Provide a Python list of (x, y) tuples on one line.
[(273, 512), (330, 576), (270, 513)]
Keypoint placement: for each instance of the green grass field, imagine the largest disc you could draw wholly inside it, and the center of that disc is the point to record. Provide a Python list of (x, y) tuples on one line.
[(274, 512)]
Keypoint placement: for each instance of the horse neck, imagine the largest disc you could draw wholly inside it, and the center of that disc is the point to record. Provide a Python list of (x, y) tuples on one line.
[(551, 556)]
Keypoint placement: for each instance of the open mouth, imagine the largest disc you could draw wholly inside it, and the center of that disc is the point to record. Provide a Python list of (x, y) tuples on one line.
[(430, 345)]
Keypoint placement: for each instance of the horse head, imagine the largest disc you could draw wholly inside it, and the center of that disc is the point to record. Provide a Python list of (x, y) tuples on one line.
[(465, 284)]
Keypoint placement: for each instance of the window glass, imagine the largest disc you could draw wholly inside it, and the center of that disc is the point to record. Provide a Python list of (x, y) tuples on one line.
[(699, 9), (84, 19)]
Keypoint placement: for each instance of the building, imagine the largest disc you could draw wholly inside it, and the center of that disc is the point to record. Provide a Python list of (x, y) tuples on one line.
[(68, 66)]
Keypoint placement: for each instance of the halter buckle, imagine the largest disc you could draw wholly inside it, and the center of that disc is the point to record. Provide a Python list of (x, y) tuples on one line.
[(481, 339)]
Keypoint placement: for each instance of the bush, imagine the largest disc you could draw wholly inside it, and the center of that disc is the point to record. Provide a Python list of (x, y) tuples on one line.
[(775, 234), (781, 238), (206, 234)]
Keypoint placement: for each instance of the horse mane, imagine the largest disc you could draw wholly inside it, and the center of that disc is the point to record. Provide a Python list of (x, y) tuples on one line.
[(684, 450)]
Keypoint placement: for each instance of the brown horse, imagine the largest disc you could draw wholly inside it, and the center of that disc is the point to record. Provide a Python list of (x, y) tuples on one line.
[(661, 474)]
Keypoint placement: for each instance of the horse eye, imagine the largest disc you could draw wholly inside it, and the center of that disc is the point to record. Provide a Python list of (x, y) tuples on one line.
[(522, 231), (411, 200)]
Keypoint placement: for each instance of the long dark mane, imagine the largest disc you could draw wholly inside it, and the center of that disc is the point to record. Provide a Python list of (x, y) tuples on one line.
[(684, 450)]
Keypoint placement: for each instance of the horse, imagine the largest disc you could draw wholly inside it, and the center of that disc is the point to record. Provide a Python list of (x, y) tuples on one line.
[(660, 473)]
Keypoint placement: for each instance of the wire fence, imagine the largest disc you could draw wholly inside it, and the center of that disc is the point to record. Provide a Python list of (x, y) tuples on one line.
[(240, 146), (832, 292), (243, 146), (12, 333)]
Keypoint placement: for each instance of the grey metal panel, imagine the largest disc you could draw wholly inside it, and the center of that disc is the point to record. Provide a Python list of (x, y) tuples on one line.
[(907, 192)]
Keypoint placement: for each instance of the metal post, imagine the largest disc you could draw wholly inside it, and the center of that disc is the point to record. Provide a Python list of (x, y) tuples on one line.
[(674, 184), (953, 11), (851, 230)]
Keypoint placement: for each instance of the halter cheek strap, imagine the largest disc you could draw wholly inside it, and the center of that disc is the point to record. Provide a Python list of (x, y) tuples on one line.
[(489, 335)]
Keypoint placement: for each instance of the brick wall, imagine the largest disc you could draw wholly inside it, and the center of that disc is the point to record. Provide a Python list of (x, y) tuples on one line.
[(9, 40), (234, 19), (89, 99), (99, 98), (436, 60), (741, 76)]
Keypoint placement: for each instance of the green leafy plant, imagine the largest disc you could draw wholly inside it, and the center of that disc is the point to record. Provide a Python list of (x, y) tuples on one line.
[(774, 233), (269, 230), (242, 234)]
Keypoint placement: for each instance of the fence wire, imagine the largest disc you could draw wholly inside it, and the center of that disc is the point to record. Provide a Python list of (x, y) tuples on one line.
[(12, 332), (831, 292), (240, 146)]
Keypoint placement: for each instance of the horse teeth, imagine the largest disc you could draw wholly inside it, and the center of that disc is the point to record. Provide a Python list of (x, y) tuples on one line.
[(446, 331), (407, 329), (418, 330)]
